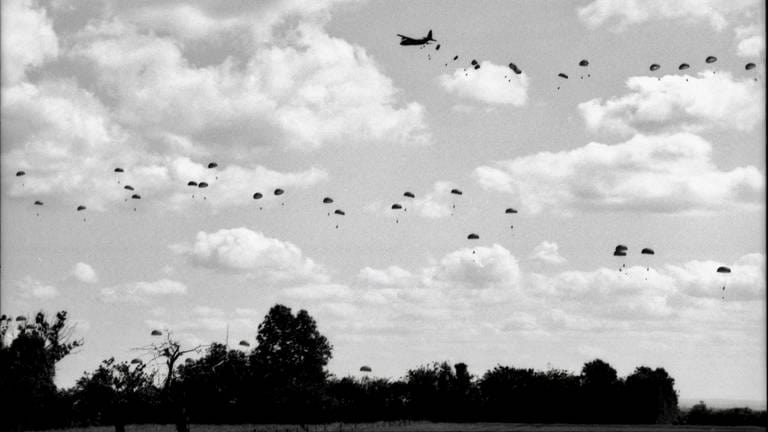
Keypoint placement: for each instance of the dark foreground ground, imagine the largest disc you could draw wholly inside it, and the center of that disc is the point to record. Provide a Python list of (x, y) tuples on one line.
[(428, 427)]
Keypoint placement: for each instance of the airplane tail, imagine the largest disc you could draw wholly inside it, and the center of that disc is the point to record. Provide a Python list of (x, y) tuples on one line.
[(429, 35)]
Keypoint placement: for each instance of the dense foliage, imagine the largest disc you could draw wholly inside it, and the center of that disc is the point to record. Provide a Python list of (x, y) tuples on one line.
[(284, 379)]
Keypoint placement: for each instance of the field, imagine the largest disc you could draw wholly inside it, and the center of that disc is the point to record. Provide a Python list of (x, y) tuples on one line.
[(429, 427)]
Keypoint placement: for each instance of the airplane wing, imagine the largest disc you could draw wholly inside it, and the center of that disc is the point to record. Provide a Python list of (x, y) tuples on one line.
[(406, 37)]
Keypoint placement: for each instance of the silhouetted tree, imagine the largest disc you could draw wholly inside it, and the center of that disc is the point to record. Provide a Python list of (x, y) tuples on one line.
[(599, 392), (116, 393), (289, 363), (28, 365), (650, 396), (217, 386), (169, 351)]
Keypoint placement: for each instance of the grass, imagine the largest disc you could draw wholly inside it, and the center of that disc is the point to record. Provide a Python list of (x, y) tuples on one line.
[(428, 427)]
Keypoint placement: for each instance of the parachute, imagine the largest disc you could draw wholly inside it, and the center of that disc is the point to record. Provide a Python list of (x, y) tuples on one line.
[(456, 192), (38, 203), (474, 62), (136, 361), (510, 211), (279, 192), (409, 195), (212, 165), (749, 66), (437, 48), (339, 212), (584, 63), (365, 368), (244, 343), (21, 318), (473, 236), (621, 251), (683, 66), (396, 206), (135, 196), (156, 333), (647, 251), (562, 75), (202, 185), (20, 173), (327, 200), (118, 170), (128, 187), (192, 183), (654, 67), (515, 69), (81, 208), (257, 195), (725, 271), (711, 59)]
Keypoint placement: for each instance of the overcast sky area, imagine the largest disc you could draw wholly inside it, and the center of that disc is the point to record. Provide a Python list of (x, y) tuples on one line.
[(318, 98)]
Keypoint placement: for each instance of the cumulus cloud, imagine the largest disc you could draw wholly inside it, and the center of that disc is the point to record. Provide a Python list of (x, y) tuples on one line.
[(751, 41), (623, 13), (84, 273), (492, 84), (661, 174), (699, 279), (390, 276), (547, 252), (676, 103), (71, 143), (140, 292), (202, 21), (28, 39), (482, 294), (152, 94), (33, 288), (317, 89), (244, 251)]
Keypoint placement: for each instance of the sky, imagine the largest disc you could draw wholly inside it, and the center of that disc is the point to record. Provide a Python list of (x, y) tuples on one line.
[(319, 99)]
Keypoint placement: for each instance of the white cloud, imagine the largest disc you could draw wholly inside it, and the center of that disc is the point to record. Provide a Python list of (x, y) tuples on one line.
[(437, 203), (751, 41), (492, 84), (662, 174), (315, 90), (483, 295), (140, 292), (147, 88), (204, 21), (66, 140), (392, 275), (678, 102), (28, 39), (84, 273), (624, 13), (548, 253), (30, 287), (252, 253), (745, 282)]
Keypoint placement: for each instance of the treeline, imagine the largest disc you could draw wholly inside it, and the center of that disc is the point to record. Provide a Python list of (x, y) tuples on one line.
[(283, 379), (699, 414)]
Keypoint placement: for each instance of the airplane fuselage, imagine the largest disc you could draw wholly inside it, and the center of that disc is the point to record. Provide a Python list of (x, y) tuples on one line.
[(405, 40), (424, 41)]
